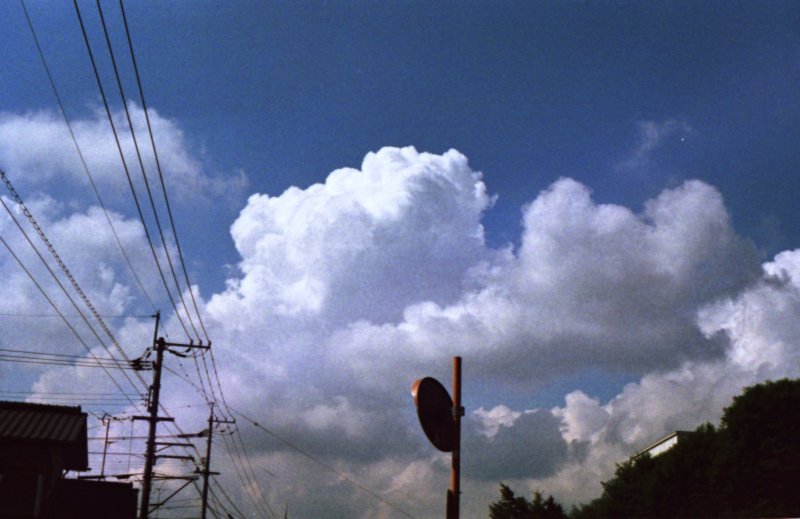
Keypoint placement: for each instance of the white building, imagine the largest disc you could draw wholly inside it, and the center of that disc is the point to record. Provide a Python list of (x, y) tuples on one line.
[(662, 445)]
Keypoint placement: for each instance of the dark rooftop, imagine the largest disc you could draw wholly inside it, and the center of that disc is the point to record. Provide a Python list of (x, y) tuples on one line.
[(32, 424)]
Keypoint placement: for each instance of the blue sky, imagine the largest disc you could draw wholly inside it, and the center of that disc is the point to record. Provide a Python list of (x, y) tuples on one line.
[(630, 100), (530, 91)]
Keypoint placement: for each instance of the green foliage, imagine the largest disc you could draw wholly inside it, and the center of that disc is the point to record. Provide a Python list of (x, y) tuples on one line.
[(746, 468), (511, 507), (761, 451)]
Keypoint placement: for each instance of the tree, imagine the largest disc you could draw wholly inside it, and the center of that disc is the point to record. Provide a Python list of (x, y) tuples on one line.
[(759, 452), (511, 507), (746, 468)]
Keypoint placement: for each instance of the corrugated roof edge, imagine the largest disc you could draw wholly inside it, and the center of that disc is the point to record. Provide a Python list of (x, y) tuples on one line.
[(8, 404)]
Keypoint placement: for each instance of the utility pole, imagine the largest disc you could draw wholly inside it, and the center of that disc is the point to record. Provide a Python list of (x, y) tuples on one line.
[(160, 345), (152, 407), (105, 420), (207, 465)]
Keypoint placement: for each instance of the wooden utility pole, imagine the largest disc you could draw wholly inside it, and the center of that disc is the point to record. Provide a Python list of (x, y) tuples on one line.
[(160, 346), (207, 465), (105, 420), (153, 419)]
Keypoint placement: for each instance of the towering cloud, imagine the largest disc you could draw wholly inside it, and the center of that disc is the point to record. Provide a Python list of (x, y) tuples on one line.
[(350, 289), (359, 285)]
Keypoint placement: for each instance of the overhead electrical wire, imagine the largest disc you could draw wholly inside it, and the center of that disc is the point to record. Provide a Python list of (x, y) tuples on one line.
[(63, 289), (107, 316), (56, 92), (158, 167), (125, 167), (88, 173), (116, 363), (82, 159), (140, 213), (323, 464), (55, 361), (227, 497), (66, 393), (61, 264), (33, 354), (236, 458), (67, 273), (251, 476), (142, 168), (238, 466), (166, 197), (212, 510), (169, 209), (241, 474), (228, 513), (52, 304)]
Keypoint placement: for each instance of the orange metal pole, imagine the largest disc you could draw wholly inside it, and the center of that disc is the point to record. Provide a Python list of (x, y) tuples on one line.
[(455, 480)]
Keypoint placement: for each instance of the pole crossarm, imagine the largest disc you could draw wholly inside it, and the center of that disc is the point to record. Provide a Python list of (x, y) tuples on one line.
[(166, 477), (191, 345), (164, 445), (207, 472), (174, 457)]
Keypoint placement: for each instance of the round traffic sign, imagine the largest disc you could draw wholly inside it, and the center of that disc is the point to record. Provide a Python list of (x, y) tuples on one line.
[(435, 411)]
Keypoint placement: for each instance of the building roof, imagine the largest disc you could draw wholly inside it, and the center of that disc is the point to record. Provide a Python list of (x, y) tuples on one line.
[(22, 422), (662, 445)]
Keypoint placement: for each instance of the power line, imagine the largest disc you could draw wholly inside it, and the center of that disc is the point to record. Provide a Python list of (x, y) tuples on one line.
[(241, 474), (57, 362), (61, 263), (248, 465), (323, 464), (166, 198), (82, 159), (34, 354), (141, 167), (64, 393), (166, 201), (76, 402), (72, 134), (227, 497), (238, 465), (125, 166), (66, 270), (133, 190), (50, 301), (107, 316), (158, 167)]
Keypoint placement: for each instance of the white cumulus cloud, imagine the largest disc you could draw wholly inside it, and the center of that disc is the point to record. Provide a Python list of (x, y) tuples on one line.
[(350, 289)]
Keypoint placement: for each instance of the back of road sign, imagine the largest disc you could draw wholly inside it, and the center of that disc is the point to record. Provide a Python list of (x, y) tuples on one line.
[(435, 411)]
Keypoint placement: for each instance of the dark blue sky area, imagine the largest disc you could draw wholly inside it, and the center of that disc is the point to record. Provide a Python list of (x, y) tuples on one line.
[(529, 91)]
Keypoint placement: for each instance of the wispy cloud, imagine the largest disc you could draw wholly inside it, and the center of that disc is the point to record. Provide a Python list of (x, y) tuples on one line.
[(652, 135), (36, 148)]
